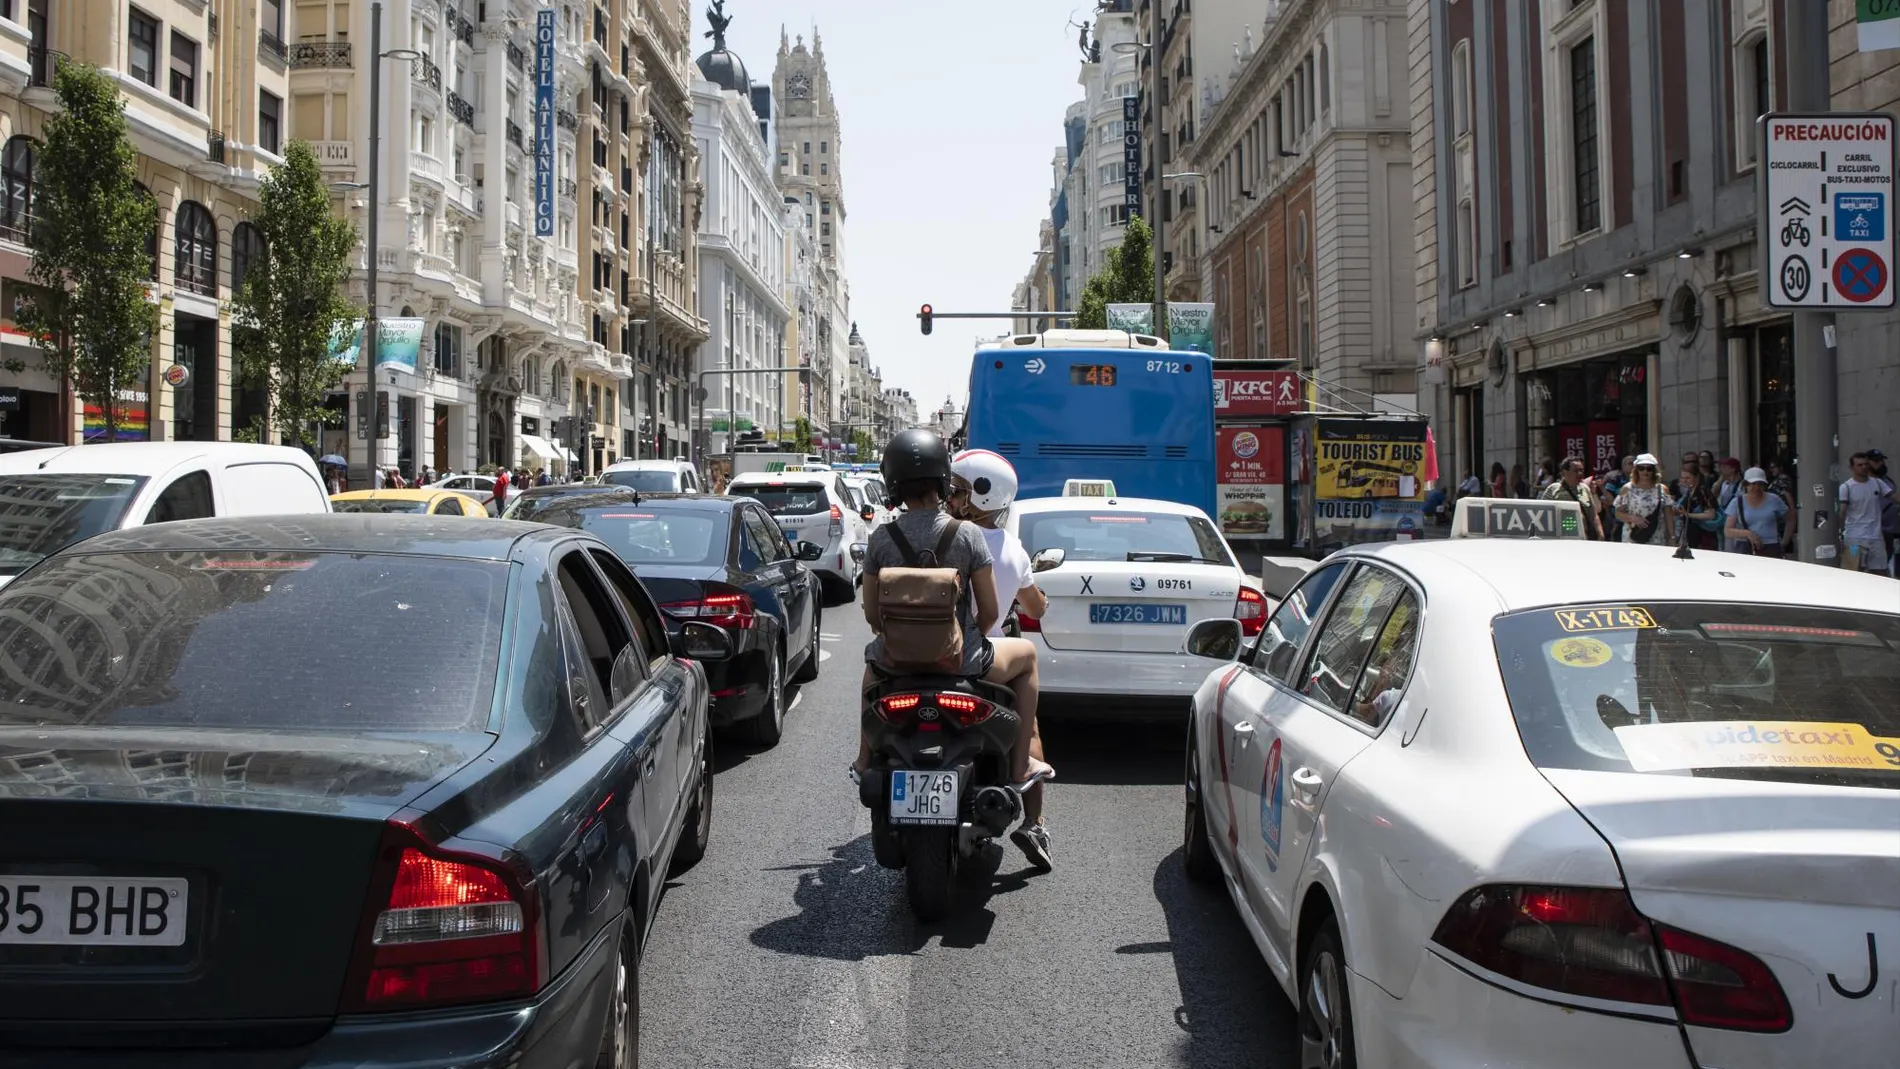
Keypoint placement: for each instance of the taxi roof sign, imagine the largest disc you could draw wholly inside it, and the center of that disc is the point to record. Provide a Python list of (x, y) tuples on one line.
[(1088, 488), (1491, 517)]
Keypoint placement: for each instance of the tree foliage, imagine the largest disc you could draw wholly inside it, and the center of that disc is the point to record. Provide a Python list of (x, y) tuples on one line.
[(91, 315), (1127, 278), (291, 309), (801, 435), (867, 446)]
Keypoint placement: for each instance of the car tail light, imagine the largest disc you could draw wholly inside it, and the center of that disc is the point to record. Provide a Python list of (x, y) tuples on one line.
[(443, 928), (721, 606), (1591, 942), (896, 708), (966, 710), (836, 514), (1251, 611), (1026, 623)]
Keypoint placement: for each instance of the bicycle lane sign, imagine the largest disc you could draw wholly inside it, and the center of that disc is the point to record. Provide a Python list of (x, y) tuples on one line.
[(1826, 198)]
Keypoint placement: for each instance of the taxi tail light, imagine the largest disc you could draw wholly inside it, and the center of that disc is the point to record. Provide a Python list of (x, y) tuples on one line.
[(837, 522), (897, 708), (1027, 623), (1251, 611), (967, 710), (719, 605), (444, 928), (1591, 942)]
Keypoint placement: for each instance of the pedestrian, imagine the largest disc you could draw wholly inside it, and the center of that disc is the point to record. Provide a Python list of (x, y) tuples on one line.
[(377, 477), (1520, 484), (1705, 462), (501, 490), (1862, 498), (542, 478), (1758, 521), (1702, 519), (1691, 465), (1500, 487), (1728, 482), (1644, 506), (1570, 485), (1471, 487), (1608, 489), (1889, 513)]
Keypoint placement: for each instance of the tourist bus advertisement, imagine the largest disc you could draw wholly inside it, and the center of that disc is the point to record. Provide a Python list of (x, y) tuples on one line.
[(1361, 479)]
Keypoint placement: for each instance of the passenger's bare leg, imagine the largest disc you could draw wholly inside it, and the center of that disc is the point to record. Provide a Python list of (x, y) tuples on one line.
[(1015, 667)]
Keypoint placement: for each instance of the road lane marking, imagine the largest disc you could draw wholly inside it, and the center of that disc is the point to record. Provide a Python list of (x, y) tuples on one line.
[(855, 1013)]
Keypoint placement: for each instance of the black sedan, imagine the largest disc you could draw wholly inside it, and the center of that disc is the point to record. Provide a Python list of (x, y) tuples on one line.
[(339, 790), (528, 505), (719, 560)]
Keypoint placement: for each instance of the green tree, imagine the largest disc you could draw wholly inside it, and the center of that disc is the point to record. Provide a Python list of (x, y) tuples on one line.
[(1128, 277), (90, 314), (867, 447), (291, 309), (801, 435)]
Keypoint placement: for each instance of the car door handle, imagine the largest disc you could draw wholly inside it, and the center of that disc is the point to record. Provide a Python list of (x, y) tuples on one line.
[(1244, 732), (1307, 782)]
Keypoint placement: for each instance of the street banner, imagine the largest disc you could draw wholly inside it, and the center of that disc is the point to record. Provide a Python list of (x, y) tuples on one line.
[(131, 417), (398, 344), (1133, 318), (1191, 328), (1251, 480), (544, 123), (1369, 480), (1248, 394), (1879, 24), (1602, 456), (1131, 156)]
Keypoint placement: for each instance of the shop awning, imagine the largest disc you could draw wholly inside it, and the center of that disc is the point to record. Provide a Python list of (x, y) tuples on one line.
[(572, 458), (539, 446)]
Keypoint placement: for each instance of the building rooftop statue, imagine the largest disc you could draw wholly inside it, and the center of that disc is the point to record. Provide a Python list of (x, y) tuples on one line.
[(719, 66)]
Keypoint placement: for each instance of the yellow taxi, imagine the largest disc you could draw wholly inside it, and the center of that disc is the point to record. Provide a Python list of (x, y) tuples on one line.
[(416, 502)]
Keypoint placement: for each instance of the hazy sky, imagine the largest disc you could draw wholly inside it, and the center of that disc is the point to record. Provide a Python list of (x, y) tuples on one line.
[(951, 114)]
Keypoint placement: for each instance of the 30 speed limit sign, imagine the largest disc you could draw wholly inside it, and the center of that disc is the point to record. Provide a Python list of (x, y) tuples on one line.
[(1827, 210)]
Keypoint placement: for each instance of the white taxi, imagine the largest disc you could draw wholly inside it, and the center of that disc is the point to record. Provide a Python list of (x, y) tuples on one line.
[(1512, 800), (1126, 578)]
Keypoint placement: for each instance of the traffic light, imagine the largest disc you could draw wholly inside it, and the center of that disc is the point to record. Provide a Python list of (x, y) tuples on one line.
[(923, 315)]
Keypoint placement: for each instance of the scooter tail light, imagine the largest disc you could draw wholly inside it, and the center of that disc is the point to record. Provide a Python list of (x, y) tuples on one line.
[(965, 709), (897, 708)]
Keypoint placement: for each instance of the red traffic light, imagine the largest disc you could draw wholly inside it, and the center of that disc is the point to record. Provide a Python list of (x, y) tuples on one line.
[(923, 316)]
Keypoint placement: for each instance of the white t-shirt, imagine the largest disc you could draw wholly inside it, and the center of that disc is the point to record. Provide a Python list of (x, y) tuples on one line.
[(1860, 511), (1010, 567)]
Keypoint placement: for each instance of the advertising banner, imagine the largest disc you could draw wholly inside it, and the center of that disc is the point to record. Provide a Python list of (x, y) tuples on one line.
[(544, 122), (1572, 438), (1191, 328), (1131, 156), (1133, 318), (1602, 456), (1256, 393), (1369, 480), (132, 417), (398, 344), (1251, 476)]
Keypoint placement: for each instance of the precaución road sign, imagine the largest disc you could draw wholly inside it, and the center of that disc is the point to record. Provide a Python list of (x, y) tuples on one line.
[(1826, 194)]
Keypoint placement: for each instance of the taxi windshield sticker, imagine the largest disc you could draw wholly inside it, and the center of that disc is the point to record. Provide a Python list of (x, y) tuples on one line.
[(1613, 618), (1581, 652), (1750, 743)]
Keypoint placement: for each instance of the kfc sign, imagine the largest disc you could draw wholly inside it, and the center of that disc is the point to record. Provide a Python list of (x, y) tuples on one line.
[(1257, 393)]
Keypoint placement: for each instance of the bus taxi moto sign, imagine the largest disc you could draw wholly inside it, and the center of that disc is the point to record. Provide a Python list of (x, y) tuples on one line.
[(1827, 211)]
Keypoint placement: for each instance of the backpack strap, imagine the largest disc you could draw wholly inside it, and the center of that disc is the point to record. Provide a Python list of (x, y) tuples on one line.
[(943, 544), (903, 544)]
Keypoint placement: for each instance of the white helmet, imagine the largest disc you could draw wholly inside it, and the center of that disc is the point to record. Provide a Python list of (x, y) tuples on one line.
[(992, 479)]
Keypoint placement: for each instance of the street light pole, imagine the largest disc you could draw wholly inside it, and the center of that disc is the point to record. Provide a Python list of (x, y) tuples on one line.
[(372, 424), (1160, 188)]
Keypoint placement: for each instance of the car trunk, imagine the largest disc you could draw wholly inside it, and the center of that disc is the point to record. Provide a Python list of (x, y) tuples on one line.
[(673, 584), (1806, 879), (1132, 606), (260, 844)]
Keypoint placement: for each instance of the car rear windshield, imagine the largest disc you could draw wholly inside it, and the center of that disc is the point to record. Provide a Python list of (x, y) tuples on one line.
[(540, 507), (42, 513), (789, 499), (380, 506), (245, 640), (1083, 535), (648, 480), (1770, 692), (653, 535)]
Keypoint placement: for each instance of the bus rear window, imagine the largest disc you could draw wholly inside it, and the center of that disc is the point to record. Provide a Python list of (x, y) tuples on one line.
[(1769, 692), (1124, 536)]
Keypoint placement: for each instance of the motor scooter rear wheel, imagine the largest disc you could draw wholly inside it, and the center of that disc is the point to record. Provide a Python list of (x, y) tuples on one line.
[(930, 872)]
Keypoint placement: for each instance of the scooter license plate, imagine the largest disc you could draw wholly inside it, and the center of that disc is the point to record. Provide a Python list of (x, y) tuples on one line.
[(924, 797)]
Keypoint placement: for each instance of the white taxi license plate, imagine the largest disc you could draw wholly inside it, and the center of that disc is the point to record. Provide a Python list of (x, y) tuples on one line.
[(1140, 612), (924, 797), (93, 911)]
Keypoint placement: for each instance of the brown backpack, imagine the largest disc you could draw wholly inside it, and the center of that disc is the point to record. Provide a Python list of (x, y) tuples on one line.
[(918, 607)]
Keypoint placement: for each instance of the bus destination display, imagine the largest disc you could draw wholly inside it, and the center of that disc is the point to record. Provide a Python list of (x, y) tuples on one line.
[(1091, 374)]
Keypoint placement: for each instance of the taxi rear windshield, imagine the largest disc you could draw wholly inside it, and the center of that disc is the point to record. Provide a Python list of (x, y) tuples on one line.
[(791, 499), (1765, 692), (1165, 537)]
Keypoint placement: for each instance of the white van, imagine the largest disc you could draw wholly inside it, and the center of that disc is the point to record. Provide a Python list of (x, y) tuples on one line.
[(51, 498), (653, 476)]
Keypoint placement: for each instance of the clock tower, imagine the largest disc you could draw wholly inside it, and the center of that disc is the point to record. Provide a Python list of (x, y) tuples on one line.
[(810, 149)]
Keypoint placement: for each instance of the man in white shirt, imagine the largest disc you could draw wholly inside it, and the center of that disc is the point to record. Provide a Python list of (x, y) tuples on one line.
[(1861, 499)]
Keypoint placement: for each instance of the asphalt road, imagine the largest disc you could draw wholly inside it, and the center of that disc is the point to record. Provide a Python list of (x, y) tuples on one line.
[(788, 947)]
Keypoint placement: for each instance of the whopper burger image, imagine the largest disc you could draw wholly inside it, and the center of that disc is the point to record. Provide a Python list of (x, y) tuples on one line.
[(1246, 516)]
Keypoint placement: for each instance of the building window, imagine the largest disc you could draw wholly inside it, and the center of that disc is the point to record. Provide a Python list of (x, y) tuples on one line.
[(448, 350), (195, 254), (784, 159), (807, 148), (142, 58), (272, 18), (804, 169), (824, 168), (1584, 159), (247, 250), (270, 112), (1466, 244), (1461, 89), (1325, 81), (184, 80), (825, 208), (1754, 86), (16, 189)]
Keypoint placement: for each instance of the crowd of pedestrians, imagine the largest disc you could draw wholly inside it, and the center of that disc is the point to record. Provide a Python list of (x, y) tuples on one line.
[(1712, 504)]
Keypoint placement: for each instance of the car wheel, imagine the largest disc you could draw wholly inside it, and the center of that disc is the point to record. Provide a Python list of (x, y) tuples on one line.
[(692, 846), (1197, 850), (620, 1039), (1325, 1005), (809, 670), (766, 728)]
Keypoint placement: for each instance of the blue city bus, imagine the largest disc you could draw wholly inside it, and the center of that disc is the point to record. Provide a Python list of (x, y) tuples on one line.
[(1097, 404)]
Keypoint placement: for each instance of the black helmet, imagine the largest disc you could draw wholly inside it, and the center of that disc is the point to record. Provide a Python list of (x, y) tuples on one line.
[(912, 456)]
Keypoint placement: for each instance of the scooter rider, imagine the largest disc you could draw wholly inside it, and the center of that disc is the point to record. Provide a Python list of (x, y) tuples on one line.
[(982, 486)]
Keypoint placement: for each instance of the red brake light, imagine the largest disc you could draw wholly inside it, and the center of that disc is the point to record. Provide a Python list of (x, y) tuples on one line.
[(836, 513), (1251, 611), (1026, 623), (719, 606), (1719, 986), (444, 928), (968, 711), (895, 708)]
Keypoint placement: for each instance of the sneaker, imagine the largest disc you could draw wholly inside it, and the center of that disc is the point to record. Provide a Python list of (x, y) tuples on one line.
[(1033, 841)]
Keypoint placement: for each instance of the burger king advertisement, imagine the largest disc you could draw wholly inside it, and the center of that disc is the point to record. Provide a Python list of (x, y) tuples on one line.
[(1252, 481)]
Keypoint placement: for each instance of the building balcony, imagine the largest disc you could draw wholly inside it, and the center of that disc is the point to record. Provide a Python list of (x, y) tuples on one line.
[(567, 120), (320, 55), (426, 166), (517, 57), (514, 214), (459, 26), (42, 65), (425, 72), (515, 135), (462, 110), (269, 44), (335, 155)]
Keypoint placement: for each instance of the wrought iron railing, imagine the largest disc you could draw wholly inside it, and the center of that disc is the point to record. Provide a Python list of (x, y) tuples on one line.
[(214, 147), (42, 65), (463, 111), (428, 73), (515, 136), (271, 43), (567, 120), (517, 57), (317, 54)]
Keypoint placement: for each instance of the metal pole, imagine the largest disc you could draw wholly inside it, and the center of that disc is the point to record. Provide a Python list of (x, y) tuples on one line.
[(375, 208), (1816, 401), (1160, 187)]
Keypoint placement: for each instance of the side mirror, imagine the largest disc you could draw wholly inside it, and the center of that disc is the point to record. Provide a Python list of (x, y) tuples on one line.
[(808, 551), (1046, 559), (702, 642), (857, 552), (1214, 639), (870, 515)]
